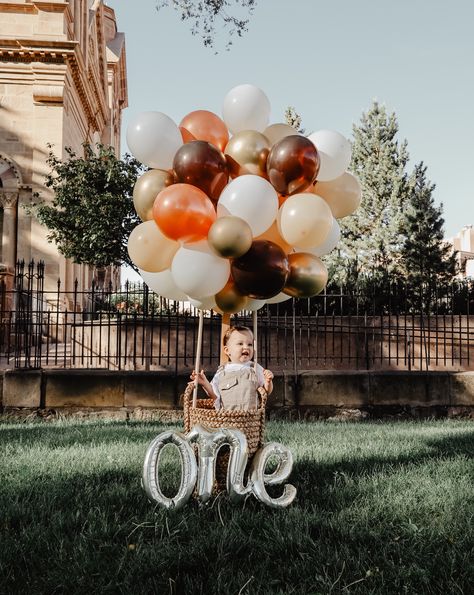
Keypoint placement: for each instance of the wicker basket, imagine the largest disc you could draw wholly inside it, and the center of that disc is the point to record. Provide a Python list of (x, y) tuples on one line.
[(251, 423)]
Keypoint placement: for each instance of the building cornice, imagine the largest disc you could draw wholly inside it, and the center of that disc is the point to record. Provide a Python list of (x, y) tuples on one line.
[(66, 52)]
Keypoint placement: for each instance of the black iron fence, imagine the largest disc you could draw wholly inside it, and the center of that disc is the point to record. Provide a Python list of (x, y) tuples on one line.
[(372, 326)]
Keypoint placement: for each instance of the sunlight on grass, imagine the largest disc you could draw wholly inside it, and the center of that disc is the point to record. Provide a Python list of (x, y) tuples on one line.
[(381, 508)]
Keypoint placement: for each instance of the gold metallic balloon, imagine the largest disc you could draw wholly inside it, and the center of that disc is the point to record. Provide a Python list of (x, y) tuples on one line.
[(147, 188), (229, 300), (247, 153), (230, 237), (308, 275)]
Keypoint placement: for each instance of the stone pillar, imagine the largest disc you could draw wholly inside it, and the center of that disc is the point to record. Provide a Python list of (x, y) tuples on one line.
[(9, 201)]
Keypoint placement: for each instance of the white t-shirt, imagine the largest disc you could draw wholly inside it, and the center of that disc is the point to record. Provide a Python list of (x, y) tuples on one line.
[(234, 368)]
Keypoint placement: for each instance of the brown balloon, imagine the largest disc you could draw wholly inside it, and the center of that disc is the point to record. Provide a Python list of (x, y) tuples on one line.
[(230, 237), (147, 188), (229, 299), (247, 153), (262, 271), (308, 275), (202, 165), (293, 164)]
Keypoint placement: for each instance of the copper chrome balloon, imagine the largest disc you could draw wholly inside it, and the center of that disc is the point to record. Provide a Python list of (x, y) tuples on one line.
[(247, 153), (293, 164), (230, 237), (308, 275), (262, 271), (202, 165), (204, 125), (147, 188)]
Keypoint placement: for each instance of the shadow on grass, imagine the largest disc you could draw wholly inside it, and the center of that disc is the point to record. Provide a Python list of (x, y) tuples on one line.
[(96, 532)]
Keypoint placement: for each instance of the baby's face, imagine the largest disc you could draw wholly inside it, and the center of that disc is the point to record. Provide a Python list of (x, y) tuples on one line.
[(239, 348)]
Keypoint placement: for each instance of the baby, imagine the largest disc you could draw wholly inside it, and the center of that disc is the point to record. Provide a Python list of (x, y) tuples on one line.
[(235, 384)]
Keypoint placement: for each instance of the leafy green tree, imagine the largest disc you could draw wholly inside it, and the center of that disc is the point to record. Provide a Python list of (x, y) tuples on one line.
[(371, 240), (425, 256), (92, 213), (204, 14)]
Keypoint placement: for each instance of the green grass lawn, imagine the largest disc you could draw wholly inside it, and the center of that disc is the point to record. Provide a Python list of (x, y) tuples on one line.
[(381, 508)]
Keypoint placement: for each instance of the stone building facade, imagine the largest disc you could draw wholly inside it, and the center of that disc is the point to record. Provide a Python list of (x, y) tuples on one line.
[(62, 81), (463, 243)]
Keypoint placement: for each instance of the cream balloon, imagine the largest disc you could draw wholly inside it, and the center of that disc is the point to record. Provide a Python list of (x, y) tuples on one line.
[(329, 243), (251, 198), (276, 132), (334, 151), (304, 220), (149, 249), (163, 284), (198, 271), (246, 107), (343, 194), (153, 138)]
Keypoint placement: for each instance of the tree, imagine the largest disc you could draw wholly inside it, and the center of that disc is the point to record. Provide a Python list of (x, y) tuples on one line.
[(92, 213), (371, 240), (424, 254), (203, 15)]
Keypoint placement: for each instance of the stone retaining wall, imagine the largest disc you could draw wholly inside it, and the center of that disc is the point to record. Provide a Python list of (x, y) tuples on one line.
[(310, 394)]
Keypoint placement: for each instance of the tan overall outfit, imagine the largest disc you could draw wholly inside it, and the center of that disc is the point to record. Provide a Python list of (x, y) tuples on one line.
[(238, 389)]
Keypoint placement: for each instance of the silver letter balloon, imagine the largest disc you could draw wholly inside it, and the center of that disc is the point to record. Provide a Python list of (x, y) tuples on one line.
[(203, 471)]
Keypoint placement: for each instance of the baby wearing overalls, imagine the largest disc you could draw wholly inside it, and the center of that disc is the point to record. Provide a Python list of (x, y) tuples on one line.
[(235, 384)]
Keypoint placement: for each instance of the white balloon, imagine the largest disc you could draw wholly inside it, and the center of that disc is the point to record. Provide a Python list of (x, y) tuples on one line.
[(207, 303), (246, 107), (153, 138), (163, 284), (198, 271), (254, 305), (329, 243), (251, 198), (277, 299), (334, 151)]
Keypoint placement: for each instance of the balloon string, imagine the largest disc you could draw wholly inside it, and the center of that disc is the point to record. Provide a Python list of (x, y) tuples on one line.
[(254, 317), (198, 356)]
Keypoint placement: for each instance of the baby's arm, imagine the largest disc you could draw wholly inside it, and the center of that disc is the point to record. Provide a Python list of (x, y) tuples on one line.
[(204, 382), (268, 381)]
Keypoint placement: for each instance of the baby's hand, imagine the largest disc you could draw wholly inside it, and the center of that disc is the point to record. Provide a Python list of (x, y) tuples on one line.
[(268, 377), (201, 377), (267, 374)]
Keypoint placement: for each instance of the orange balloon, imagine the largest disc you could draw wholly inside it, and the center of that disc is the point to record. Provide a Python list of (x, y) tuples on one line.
[(183, 213), (204, 125)]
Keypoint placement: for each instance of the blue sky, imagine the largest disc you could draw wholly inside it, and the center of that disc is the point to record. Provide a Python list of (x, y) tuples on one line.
[(329, 60)]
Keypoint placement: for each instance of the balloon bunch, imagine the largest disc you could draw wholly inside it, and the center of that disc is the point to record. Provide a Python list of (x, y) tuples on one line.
[(234, 222)]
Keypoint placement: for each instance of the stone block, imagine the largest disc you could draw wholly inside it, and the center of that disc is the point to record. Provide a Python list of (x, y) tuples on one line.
[(462, 389), (83, 388), (410, 389), (333, 388), (22, 388), (398, 388), (150, 389)]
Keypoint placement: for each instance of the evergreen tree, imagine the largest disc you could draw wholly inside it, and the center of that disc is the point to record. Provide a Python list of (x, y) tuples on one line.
[(425, 257), (371, 242), (92, 212)]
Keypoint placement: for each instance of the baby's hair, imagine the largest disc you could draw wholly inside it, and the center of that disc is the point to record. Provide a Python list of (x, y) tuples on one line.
[(238, 328)]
